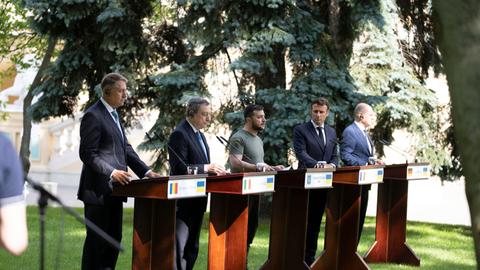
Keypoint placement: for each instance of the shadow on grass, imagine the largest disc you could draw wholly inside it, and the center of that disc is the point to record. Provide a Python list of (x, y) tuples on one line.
[(440, 247)]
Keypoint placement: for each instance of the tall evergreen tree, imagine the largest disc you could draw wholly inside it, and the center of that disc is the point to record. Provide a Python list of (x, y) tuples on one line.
[(345, 50), (98, 37)]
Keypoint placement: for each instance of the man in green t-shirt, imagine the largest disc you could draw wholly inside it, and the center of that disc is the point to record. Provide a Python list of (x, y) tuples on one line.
[(246, 155)]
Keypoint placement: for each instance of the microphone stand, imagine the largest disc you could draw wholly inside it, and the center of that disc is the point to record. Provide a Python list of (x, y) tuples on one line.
[(228, 146), (169, 147), (396, 149), (45, 195)]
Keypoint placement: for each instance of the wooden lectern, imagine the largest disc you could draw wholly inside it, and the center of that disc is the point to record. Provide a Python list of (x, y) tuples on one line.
[(343, 213), (289, 216), (390, 233), (154, 216), (227, 243)]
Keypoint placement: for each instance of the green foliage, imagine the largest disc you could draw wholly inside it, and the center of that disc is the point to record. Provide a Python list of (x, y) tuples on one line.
[(3, 115), (363, 63), (347, 53), (16, 38), (172, 90), (421, 50), (99, 37), (378, 68)]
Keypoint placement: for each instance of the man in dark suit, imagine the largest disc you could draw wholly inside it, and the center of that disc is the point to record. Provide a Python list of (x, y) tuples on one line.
[(357, 149), (105, 153), (188, 147), (315, 141)]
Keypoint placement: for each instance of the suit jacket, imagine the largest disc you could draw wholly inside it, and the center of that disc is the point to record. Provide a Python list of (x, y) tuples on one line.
[(308, 147), (103, 148), (190, 153), (354, 148)]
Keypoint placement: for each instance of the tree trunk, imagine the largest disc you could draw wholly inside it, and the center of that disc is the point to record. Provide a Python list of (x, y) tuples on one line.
[(27, 103), (458, 36), (269, 79)]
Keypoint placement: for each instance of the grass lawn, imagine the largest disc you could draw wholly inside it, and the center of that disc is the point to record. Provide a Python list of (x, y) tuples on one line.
[(438, 246)]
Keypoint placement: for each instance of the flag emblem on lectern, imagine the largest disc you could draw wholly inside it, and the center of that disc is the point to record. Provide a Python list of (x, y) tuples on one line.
[(247, 184), (270, 182), (379, 175), (200, 186)]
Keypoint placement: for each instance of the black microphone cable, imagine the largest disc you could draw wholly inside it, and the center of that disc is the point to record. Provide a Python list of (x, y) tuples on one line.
[(169, 147)]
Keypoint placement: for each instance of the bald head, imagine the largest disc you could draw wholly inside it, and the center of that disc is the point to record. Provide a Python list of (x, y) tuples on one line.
[(360, 109), (364, 114)]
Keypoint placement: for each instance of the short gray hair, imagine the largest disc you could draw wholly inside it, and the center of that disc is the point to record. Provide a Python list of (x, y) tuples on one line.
[(194, 105), (110, 80)]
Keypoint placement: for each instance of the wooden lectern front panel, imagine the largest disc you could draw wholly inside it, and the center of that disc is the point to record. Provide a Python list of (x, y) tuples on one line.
[(227, 245)]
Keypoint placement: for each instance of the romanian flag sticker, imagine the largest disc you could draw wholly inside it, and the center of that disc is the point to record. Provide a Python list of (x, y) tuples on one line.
[(173, 188)]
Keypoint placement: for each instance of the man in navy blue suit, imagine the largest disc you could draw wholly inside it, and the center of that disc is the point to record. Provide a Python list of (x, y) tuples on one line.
[(315, 141), (188, 147), (357, 149), (106, 154)]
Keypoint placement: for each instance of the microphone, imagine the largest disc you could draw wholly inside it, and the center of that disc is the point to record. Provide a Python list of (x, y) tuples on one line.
[(396, 149), (169, 147), (45, 195), (227, 145)]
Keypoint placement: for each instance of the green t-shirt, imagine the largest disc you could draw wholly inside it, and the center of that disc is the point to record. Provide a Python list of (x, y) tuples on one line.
[(248, 145)]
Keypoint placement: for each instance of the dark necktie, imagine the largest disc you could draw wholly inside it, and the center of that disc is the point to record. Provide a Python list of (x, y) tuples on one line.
[(369, 142), (117, 120), (200, 141), (320, 134)]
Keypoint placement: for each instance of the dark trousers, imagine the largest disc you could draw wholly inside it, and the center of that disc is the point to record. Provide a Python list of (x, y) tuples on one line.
[(97, 254), (187, 232), (363, 208), (316, 206), (253, 208)]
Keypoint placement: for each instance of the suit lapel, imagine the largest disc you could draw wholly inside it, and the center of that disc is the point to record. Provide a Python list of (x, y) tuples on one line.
[(193, 138), (327, 135), (206, 146), (109, 119), (361, 138)]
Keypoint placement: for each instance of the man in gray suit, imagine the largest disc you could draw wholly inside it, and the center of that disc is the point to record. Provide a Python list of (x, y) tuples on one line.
[(105, 153)]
